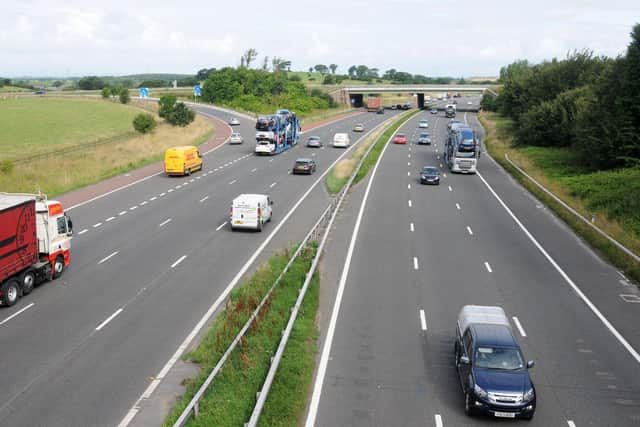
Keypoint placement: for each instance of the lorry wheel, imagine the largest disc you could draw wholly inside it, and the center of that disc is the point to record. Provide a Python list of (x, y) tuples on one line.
[(10, 292), (28, 281), (58, 267)]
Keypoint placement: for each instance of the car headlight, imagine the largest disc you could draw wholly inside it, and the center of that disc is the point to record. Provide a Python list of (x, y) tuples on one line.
[(529, 395), (480, 392)]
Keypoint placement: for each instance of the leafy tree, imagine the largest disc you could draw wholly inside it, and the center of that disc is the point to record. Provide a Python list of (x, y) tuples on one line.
[(144, 123), (106, 93), (57, 83), (310, 70), (249, 56), (488, 102), (333, 68), (361, 71), (265, 64), (352, 72), (295, 78), (181, 115), (124, 96), (114, 91), (329, 79), (279, 64), (321, 68), (166, 105), (204, 73), (91, 83), (188, 82)]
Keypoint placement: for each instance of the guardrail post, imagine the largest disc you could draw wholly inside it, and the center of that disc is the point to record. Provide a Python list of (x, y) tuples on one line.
[(196, 409)]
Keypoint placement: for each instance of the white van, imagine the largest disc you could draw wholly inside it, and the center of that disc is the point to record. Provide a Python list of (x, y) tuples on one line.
[(341, 140), (251, 211)]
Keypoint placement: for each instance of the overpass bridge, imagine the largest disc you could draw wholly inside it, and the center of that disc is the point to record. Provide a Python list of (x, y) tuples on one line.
[(354, 95)]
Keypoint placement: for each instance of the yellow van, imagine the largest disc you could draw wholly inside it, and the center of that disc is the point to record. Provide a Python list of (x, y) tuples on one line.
[(182, 160)]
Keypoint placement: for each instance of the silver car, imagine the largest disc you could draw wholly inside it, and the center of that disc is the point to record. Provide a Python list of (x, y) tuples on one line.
[(233, 121), (358, 128), (236, 138)]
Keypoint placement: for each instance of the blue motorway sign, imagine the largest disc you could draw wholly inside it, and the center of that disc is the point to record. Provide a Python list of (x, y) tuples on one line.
[(144, 92), (197, 90)]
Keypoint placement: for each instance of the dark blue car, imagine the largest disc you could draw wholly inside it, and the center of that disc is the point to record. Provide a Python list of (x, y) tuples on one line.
[(493, 373)]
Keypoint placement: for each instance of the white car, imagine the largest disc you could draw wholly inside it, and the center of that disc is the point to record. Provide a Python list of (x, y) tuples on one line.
[(236, 138), (358, 128), (233, 121), (423, 124)]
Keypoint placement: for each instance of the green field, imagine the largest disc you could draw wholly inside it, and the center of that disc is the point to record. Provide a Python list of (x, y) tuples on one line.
[(35, 125), (5, 89)]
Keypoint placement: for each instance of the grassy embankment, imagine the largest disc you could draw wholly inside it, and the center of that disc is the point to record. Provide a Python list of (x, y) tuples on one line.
[(98, 134), (232, 396), (340, 173), (612, 196)]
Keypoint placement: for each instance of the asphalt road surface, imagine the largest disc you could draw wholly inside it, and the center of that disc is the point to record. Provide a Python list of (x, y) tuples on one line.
[(421, 253), (147, 262)]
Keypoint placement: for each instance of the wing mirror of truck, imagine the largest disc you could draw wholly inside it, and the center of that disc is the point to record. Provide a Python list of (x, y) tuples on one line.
[(69, 225), (270, 202), (530, 364), (465, 360)]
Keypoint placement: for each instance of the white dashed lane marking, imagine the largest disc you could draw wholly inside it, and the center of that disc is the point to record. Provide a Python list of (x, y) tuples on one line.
[(165, 222), (409, 203), (519, 326), (204, 198), (108, 257), (97, 225), (423, 320), (469, 230), (486, 264), (111, 218), (83, 231), (220, 226), (415, 263), (122, 213), (411, 227), (109, 319), (458, 206)]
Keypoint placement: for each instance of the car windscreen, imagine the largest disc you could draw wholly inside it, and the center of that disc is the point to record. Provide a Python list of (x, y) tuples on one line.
[(424, 135), (400, 135), (314, 138), (430, 171), (498, 358)]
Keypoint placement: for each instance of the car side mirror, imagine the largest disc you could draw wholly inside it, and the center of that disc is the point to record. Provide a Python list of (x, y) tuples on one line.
[(530, 364), (270, 202), (465, 360)]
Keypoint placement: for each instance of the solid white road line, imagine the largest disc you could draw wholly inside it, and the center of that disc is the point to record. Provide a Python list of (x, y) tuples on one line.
[(273, 184), (97, 225), (111, 218), (458, 206), (423, 320), (22, 310), (220, 226), (571, 423), (204, 198), (411, 227), (409, 203), (438, 421), (108, 257), (165, 222), (486, 264), (415, 263), (324, 357), (233, 182), (519, 326), (469, 230), (122, 213), (133, 208), (179, 260), (109, 319), (566, 277), (83, 231)]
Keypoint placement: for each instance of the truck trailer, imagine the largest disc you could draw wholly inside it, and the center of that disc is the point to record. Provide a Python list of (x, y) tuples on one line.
[(35, 243), (277, 133), (373, 104)]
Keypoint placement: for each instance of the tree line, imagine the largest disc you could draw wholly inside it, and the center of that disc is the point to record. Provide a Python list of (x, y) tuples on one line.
[(588, 103)]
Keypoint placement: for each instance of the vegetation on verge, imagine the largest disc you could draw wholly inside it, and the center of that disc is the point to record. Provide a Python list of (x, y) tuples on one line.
[(590, 193), (232, 396), (76, 142)]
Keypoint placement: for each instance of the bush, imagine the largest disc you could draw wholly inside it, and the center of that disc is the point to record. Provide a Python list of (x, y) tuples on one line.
[(166, 105), (144, 123), (181, 115), (6, 166), (295, 78), (106, 93), (124, 95), (91, 83)]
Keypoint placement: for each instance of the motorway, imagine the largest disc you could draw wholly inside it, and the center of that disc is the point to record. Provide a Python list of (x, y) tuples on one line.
[(148, 262), (419, 253)]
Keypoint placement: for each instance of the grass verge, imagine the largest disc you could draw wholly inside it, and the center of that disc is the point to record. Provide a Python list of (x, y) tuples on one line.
[(552, 174), (230, 400), (340, 173)]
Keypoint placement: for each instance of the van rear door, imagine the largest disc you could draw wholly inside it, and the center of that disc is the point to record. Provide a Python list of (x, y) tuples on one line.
[(244, 214)]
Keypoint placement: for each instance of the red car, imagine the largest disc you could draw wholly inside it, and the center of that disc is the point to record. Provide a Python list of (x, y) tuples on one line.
[(400, 138)]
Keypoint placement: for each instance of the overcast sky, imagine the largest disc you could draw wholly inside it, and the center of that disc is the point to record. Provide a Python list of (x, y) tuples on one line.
[(434, 38)]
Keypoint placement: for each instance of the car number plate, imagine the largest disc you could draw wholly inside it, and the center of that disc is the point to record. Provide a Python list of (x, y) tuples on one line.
[(238, 222), (504, 414)]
